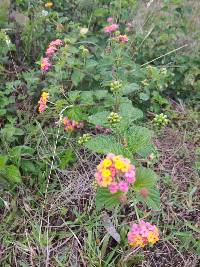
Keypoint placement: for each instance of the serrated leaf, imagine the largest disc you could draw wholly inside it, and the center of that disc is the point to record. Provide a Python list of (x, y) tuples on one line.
[(104, 199), (73, 96), (100, 94), (107, 144), (129, 113), (99, 118), (145, 178), (77, 77), (133, 87), (153, 199), (3, 160), (87, 97), (138, 138), (12, 174)]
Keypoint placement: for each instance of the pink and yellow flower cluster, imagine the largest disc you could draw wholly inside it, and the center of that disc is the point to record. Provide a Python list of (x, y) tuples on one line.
[(43, 102), (142, 234), (71, 125), (116, 173), (50, 52), (121, 39), (112, 27)]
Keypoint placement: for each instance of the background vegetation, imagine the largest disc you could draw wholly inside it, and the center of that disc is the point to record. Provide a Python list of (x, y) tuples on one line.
[(51, 211)]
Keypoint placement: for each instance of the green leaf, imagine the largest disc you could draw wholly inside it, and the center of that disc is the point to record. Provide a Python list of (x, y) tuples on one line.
[(152, 200), (145, 178), (28, 167), (87, 97), (3, 160), (66, 158), (129, 113), (12, 174), (77, 77), (138, 138), (144, 96), (99, 118), (100, 94), (73, 96), (105, 199), (107, 144), (133, 87)]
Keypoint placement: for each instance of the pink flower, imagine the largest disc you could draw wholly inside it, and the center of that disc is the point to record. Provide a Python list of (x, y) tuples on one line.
[(111, 28), (113, 188), (51, 51), (123, 186), (130, 177), (56, 42), (110, 20), (45, 64)]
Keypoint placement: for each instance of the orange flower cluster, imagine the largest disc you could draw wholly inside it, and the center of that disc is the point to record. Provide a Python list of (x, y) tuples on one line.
[(43, 102), (71, 125)]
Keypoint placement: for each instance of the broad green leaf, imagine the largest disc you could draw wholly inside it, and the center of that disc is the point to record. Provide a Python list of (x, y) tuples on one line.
[(138, 138), (129, 113), (144, 96), (133, 87), (105, 144), (104, 199), (99, 118), (77, 77), (100, 94), (73, 96), (145, 178), (152, 200), (3, 160), (12, 174), (28, 167), (76, 113), (87, 97)]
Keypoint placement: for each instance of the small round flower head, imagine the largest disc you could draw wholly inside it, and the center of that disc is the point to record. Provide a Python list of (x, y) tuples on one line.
[(84, 139), (142, 234), (56, 42), (101, 129), (71, 125), (45, 64), (50, 51), (83, 31), (160, 120), (112, 171), (114, 118), (115, 86), (48, 4), (43, 102), (110, 20), (111, 28), (84, 51), (122, 39)]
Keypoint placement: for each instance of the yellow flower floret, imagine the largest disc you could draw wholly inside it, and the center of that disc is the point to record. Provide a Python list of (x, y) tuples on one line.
[(106, 181), (106, 173), (138, 242), (45, 95), (107, 163), (119, 164), (152, 238), (125, 168)]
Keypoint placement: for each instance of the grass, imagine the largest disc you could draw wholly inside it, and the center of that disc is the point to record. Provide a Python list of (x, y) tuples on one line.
[(65, 230)]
